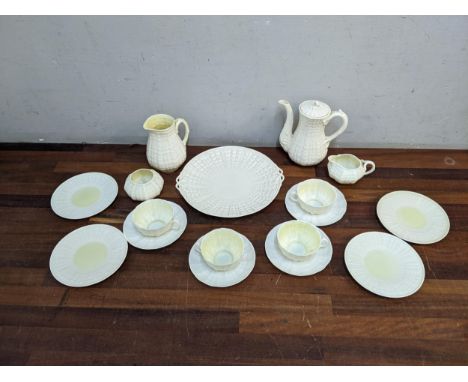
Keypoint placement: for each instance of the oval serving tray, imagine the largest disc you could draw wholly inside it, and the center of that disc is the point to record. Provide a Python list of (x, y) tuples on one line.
[(230, 181)]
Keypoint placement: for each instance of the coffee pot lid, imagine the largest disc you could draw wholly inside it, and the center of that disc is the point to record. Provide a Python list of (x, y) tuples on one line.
[(314, 109)]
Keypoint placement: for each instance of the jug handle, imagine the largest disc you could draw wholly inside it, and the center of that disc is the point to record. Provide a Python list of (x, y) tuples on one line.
[(187, 130), (368, 162), (342, 128)]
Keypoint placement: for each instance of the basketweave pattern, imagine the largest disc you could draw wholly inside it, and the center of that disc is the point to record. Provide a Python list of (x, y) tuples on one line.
[(344, 176), (308, 146), (146, 191), (166, 158), (199, 181)]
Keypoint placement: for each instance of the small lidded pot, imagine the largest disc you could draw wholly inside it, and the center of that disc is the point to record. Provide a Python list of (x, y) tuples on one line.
[(143, 184), (348, 168)]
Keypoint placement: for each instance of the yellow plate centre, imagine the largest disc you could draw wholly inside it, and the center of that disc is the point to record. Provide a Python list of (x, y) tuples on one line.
[(380, 264), (411, 217), (90, 256), (86, 196)]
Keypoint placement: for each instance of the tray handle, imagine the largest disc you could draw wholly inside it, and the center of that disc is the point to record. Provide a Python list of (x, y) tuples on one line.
[(281, 175), (178, 182)]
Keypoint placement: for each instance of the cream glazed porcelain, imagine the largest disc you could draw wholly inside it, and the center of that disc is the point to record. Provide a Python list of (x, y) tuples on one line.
[(348, 168), (230, 181), (88, 255), (222, 249), (309, 266), (384, 264), (315, 196), (336, 212), (413, 217), (143, 184), (165, 150), (308, 145), (84, 195), (154, 217), (299, 241), (222, 279), (138, 240)]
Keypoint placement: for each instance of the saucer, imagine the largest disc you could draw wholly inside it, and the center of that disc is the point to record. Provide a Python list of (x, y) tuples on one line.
[(413, 217), (136, 239), (384, 264), (219, 279), (315, 264), (88, 255), (336, 213), (84, 195)]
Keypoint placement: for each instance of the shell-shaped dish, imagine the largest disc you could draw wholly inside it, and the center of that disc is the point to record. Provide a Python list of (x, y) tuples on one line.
[(230, 181), (222, 249), (143, 184)]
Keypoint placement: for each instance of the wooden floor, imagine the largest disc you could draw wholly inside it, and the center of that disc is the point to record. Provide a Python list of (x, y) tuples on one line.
[(153, 310)]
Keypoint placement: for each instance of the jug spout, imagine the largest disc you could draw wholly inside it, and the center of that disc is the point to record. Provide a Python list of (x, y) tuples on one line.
[(286, 133)]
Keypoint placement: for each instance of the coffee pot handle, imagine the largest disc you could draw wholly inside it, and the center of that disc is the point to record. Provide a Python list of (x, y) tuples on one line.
[(187, 130), (342, 128)]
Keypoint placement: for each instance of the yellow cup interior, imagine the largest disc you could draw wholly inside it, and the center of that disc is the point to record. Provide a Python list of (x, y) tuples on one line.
[(316, 192), (222, 247), (298, 239), (152, 215)]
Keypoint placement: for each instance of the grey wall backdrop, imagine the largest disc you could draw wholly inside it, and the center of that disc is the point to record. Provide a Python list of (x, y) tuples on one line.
[(403, 81)]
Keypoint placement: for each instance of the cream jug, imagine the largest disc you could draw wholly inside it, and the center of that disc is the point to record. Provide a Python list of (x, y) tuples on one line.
[(165, 150), (308, 145), (348, 169)]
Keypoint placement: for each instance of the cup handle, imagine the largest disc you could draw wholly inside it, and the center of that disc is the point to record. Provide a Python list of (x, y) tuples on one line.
[(197, 247), (368, 162), (293, 196), (175, 224), (324, 242), (187, 130)]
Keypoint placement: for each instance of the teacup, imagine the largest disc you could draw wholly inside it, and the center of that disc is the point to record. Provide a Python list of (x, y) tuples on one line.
[(315, 196), (222, 249), (299, 241), (348, 168), (154, 217)]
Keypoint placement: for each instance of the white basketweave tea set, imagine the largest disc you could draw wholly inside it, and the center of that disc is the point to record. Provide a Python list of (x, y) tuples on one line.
[(234, 181)]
